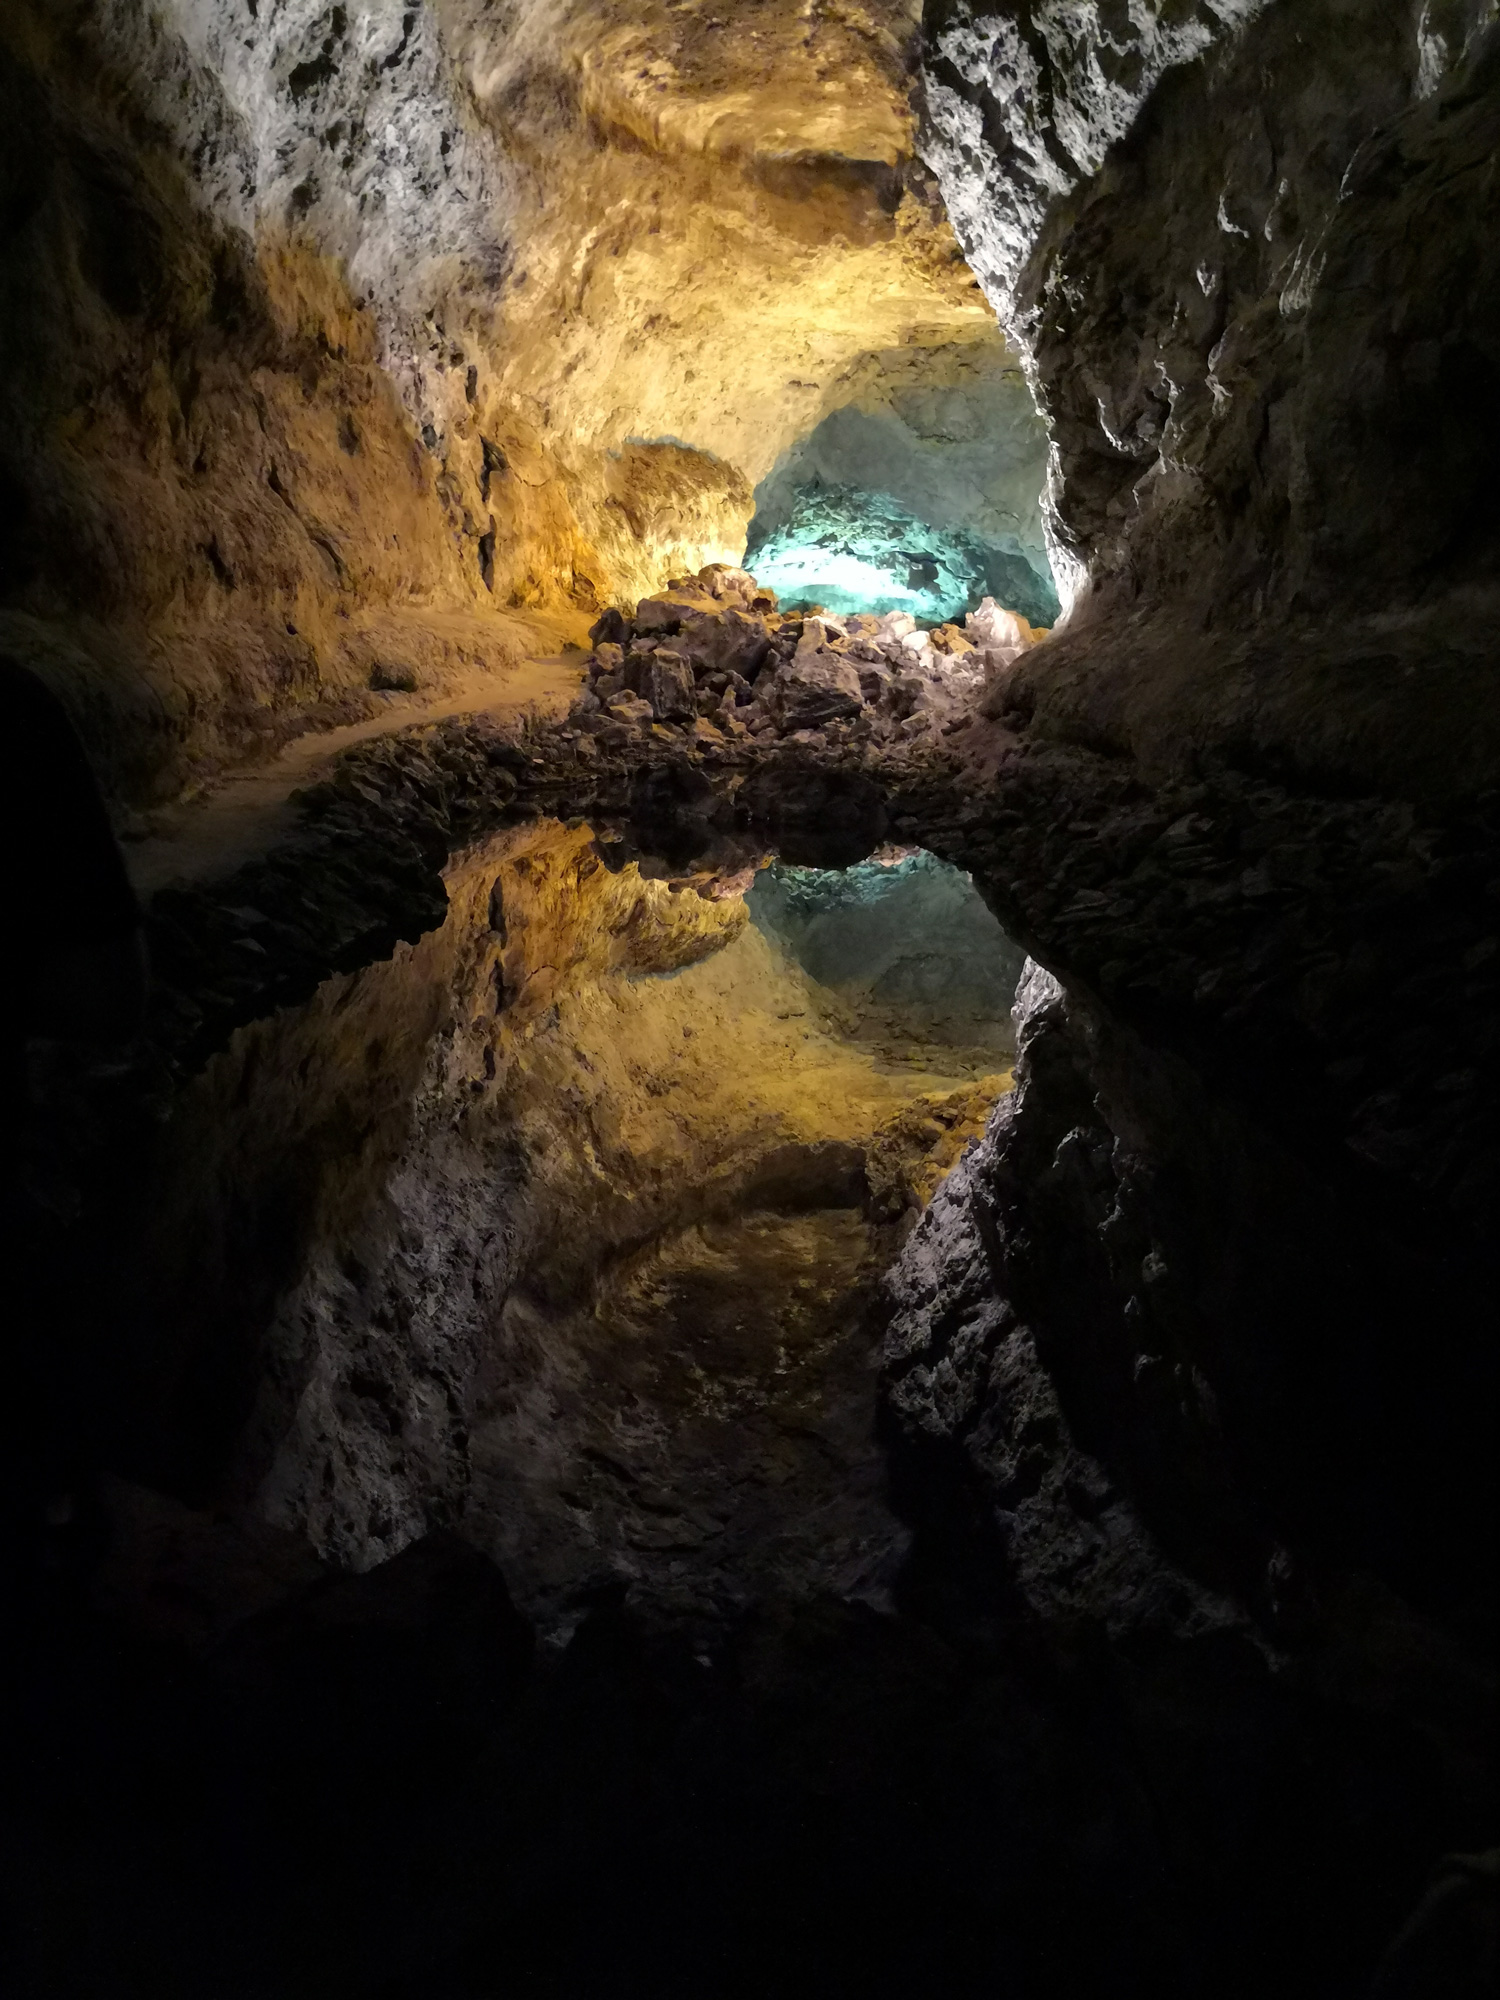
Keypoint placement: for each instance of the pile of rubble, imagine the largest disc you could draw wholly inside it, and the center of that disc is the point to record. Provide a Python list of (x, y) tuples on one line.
[(711, 661)]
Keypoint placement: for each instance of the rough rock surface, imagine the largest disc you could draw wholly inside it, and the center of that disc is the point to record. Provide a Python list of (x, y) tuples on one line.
[(717, 644), (1288, 556), (334, 335), (933, 470), (1189, 1393)]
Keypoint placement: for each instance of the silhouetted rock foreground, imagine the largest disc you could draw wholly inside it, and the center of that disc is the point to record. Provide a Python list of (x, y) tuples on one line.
[(373, 1789)]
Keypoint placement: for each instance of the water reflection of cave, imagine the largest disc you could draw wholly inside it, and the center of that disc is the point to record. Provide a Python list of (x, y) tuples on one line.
[(787, 1104), (701, 1121), (913, 960)]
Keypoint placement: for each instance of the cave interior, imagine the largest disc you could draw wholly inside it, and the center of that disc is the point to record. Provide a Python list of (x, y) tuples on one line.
[(751, 1077)]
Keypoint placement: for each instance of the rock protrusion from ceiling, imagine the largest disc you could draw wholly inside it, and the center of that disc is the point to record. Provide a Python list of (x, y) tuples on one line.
[(1024, 105), (578, 204)]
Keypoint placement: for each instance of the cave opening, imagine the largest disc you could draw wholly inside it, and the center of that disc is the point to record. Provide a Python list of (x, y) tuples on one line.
[(920, 491)]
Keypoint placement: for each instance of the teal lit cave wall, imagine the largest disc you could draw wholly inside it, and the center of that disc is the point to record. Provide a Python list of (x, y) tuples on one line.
[(912, 933), (921, 493)]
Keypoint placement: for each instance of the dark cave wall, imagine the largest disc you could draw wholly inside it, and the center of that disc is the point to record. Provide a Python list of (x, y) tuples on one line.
[(1197, 1340), (1136, 1393), (1261, 325), (1177, 1361)]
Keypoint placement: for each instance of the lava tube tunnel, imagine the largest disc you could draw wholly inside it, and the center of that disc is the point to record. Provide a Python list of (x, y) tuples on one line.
[(750, 1058)]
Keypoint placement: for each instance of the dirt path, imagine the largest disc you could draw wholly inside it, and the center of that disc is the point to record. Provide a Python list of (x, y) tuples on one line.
[(247, 813)]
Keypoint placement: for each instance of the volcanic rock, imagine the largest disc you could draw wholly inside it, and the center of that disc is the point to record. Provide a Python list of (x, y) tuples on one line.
[(666, 682), (815, 687), (732, 641)]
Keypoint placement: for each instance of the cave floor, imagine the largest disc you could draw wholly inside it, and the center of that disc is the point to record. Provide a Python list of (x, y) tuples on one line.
[(246, 813)]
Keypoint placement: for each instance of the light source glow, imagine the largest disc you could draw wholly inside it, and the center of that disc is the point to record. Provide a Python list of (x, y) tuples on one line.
[(841, 582), (851, 550)]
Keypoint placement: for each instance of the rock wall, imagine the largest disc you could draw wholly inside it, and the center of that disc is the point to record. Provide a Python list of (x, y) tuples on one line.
[(1287, 614), (1151, 1359), (337, 338), (1246, 253)]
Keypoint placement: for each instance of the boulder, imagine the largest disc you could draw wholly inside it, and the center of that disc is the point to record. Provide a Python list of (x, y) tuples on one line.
[(949, 639), (635, 663), (820, 632), (813, 688), (610, 628), (664, 613), (729, 641), (727, 583), (667, 684), (992, 626), (629, 708), (657, 614), (895, 624), (905, 691)]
